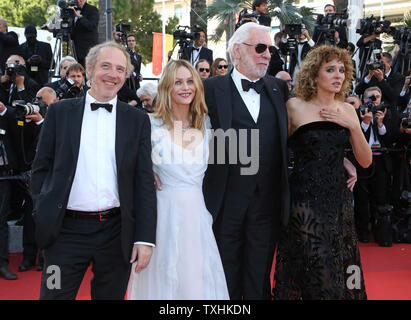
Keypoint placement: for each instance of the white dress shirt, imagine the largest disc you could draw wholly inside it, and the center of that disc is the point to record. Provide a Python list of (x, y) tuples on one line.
[(251, 98), (195, 55), (373, 139), (95, 182)]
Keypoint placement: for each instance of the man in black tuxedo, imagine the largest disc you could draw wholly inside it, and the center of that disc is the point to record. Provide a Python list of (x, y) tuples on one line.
[(371, 189), (93, 184), (248, 201), (197, 51), (389, 81), (366, 44), (9, 43), (134, 81), (277, 60), (19, 85), (38, 55), (260, 8), (340, 35), (85, 31)]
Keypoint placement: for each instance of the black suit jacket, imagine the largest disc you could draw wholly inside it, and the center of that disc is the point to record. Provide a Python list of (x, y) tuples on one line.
[(85, 31), (276, 63), (219, 102), (28, 94), (319, 37), (56, 161), (205, 53), (403, 101), (390, 87), (43, 49)]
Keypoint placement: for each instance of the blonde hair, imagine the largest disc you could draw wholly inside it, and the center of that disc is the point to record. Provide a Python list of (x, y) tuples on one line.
[(164, 108), (305, 86)]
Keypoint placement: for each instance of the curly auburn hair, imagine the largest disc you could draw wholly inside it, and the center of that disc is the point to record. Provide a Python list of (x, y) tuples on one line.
[(305, 86)]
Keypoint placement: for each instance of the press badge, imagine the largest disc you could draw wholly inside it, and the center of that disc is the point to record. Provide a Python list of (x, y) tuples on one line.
[(34, 68)]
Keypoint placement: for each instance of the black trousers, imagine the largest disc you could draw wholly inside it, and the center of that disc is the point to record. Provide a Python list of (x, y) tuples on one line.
[(81, 243), (246, 234), (4, 228), (369, 192)]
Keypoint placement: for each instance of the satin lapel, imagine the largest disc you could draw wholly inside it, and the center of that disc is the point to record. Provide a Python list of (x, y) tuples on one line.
[(278, 104), (121, 133), (76, 121), (223, 96)]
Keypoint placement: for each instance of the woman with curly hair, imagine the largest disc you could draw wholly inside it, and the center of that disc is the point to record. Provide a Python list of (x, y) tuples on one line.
[(314, 254), (185, 263)]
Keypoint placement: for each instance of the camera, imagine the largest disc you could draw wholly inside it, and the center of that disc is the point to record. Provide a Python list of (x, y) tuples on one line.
[(123, 29), (25, 109), (244, 16), (374, 65), (67, 90), (181, 33), (293, 30), (66, 12), (337, 19), (14, 68), (370, 25), (369, 103)]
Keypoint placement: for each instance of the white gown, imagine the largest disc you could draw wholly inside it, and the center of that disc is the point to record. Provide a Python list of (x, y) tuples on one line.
[(185, 264)]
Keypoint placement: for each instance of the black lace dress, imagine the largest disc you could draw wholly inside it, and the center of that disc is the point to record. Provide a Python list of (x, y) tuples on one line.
[(319, 244)]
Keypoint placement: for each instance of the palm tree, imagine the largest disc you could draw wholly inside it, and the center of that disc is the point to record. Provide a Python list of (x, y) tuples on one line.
[(284, 10), (198, 8)]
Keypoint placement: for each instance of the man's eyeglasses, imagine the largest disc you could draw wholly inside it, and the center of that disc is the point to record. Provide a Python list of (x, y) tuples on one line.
[(204, 69), (261, 47), (225, 66)]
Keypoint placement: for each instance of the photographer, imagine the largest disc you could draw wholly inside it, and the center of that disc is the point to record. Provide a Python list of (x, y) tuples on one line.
[(85, 31), (134, 81), (405, 94), (382, 76), (38, 55), (277, 61), (371, 189), (9, 44), (77, 74), (260, 10), (17, 148), (340, 34), (16, 83), (197, 51), (366, 44), (65, 62)]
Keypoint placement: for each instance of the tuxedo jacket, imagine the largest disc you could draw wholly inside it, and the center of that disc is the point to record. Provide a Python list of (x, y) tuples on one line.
[(219, 98), (43, 49), (205, 53), (85, 31), (320, 37), (28, 94), (55, 165), (403, 101)]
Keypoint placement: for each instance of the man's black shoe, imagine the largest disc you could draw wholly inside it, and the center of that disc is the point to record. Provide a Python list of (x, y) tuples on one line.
[(7, 274), (26, 265)]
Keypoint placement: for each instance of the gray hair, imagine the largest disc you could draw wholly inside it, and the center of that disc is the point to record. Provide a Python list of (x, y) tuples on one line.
[(241, 35), (4, 22), (50, 91), (67, 58), (92, 55), (149, 89)]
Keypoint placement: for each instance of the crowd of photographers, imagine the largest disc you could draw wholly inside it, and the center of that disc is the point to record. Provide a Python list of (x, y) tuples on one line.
[(381, 95)]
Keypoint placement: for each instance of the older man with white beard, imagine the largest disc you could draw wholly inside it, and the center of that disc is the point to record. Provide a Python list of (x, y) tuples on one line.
[(248, 201)]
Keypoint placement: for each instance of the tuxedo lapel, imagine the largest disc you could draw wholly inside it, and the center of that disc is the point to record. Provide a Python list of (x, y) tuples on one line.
[(76, 120), (121, 134), (224, 101)]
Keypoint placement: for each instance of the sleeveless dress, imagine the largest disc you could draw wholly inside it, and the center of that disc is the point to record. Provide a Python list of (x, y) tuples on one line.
[(185, 264), (318, 250)]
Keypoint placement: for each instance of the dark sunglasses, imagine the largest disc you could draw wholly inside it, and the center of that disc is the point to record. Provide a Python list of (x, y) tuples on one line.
[(222, 66), (204, 69), (261, 47)]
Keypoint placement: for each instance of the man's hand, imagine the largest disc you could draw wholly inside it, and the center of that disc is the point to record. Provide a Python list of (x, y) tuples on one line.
[(142, 254), (78, 15), (380, 117), (366, 117), (2, 107), (36, 117), (5, 78), (370, 74), (337, 36), (379, 74)]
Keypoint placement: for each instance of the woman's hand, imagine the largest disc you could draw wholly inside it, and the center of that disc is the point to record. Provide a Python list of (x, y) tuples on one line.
[(345, 117), (352, 174)]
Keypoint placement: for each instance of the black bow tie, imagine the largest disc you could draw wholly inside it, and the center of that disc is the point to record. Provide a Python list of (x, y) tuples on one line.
[(197, 49), (107, 106), (257, 86)]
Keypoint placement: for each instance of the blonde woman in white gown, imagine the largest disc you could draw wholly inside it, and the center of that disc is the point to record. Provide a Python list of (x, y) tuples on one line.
[(185, 264)]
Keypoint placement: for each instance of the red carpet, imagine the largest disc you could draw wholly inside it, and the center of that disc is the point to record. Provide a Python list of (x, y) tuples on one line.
[(387, 273)]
